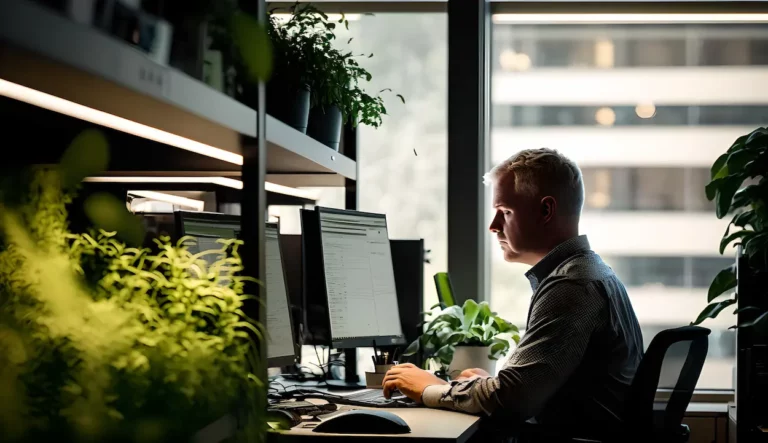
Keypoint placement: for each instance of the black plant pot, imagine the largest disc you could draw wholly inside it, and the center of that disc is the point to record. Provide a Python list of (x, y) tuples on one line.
[(289, 104), (325, 126)]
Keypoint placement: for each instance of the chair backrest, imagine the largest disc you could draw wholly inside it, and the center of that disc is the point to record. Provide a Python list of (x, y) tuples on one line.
[(673, 360), (444, 289)]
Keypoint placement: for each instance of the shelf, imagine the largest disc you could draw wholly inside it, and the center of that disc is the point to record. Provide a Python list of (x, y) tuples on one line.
[(46, 52), (291, 154), (227, 190)]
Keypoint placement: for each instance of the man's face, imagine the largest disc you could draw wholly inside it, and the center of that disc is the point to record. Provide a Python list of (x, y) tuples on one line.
[(516, 220)]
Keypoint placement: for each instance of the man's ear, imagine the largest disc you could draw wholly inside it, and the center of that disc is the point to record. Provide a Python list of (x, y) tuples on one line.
[(548, 208)]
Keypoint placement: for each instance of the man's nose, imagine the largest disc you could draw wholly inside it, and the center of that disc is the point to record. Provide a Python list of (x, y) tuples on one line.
[(495, 226)]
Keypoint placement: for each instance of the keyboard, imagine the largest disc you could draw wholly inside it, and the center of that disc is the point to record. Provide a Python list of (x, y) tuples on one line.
[(369, 398), (374, 398)]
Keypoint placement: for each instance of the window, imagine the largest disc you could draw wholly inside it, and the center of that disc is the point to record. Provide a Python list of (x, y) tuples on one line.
[(621, 115), (402, 166), (519, 47), (602, 94), (675, 272), (645, 189), (409, 151)]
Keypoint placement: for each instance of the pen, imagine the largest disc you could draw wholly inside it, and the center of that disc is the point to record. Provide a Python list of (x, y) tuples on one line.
[(374, 362), (376, 352)]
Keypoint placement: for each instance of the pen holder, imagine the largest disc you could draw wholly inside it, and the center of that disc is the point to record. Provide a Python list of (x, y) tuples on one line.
[(375, 380)]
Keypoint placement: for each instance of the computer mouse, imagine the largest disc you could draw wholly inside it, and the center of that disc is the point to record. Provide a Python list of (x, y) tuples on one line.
[(364, 421)]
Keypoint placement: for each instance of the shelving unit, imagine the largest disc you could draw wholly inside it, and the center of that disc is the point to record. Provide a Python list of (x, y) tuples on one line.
[(86, 70), (58, 77)]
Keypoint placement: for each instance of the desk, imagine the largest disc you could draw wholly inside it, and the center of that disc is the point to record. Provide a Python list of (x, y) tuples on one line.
[(732, 422), (708, 422), (427, 425)]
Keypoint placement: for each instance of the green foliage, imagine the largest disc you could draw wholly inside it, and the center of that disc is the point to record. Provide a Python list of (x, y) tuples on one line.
[(87, 155), (745, 161), (106, 212), (100, 341), (471, 325), (305, 54), (251, 39), (297, 44)]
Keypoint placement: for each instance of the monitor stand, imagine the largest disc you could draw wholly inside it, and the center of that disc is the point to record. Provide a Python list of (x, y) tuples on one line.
[(351, 380)]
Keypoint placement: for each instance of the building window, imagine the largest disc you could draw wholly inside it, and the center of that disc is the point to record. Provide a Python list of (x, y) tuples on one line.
[(677, 272), (645, 189), (644, 110), (642, 114), (628, 46)]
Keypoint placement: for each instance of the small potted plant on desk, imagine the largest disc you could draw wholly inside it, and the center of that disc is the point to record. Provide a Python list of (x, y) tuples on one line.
[(462, 337)]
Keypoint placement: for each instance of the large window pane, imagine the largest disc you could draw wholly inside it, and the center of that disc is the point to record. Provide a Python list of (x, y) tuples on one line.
[(403, 164), (645, 156)]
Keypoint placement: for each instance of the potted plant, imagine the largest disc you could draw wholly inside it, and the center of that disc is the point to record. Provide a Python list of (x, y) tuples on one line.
[(100, 341), (745, 161), (463, 337), (297, 44), (333, 77)]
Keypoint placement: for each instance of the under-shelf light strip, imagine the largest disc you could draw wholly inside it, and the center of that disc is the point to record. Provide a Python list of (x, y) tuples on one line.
[(170, 198), (66, 107), (577, 18), (221, 181)]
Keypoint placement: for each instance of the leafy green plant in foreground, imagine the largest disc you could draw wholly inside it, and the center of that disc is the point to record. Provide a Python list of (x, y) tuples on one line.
[(470, 325), (745, 161), (100, 341)]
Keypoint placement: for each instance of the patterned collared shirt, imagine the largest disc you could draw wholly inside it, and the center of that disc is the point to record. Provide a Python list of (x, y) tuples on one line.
[(578, 356)]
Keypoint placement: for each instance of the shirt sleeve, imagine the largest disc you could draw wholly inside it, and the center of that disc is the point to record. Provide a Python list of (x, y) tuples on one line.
[(562, 320)]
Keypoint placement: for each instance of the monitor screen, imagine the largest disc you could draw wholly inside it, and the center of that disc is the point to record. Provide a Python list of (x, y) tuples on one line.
[(206, 228), (359, 279), (279, 331)]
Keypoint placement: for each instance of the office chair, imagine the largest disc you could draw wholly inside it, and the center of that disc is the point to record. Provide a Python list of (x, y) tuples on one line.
[(444, 289), (673, 360)]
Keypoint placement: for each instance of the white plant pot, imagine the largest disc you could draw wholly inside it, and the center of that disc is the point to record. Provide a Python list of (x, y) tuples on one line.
[(468, 357)]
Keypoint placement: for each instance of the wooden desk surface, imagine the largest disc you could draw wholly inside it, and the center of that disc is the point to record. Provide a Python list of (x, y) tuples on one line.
[(427, 425), (699, 409)]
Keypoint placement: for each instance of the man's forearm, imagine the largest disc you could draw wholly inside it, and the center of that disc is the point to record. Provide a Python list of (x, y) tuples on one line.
[(473, 396)]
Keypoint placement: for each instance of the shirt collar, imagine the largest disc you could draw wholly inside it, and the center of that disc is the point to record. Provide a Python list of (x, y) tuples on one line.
[(555, 258)]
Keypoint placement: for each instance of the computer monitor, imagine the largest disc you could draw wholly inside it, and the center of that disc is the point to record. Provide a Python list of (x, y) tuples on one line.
[(359, 279), (206, 228), (281, 350)]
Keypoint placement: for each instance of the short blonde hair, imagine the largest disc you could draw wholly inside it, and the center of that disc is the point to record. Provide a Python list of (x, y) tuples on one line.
[(544, 172)]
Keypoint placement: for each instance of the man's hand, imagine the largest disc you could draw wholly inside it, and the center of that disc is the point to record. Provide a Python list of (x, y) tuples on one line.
[(472, 373), (410, 380)]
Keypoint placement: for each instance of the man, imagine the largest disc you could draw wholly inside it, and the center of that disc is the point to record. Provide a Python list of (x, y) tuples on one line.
[(582, 345)]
